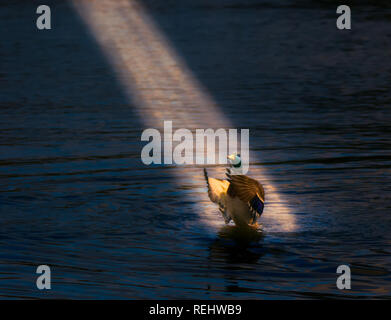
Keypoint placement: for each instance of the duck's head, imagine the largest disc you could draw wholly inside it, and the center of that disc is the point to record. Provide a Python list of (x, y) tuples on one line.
[(235, 160)]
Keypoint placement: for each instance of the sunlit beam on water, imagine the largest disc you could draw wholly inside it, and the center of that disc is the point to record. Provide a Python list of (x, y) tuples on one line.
[(161, 87)]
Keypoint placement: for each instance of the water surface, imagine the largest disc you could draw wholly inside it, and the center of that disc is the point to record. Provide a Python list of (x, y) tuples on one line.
[(74, 194)]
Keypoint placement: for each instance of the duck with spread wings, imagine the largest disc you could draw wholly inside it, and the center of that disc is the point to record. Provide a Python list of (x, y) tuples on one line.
[(240, 198)]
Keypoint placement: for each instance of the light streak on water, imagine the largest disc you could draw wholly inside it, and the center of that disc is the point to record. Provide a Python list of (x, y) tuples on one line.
[(161, 87)]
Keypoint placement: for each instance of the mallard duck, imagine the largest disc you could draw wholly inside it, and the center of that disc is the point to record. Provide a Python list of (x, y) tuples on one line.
[(240, 198)]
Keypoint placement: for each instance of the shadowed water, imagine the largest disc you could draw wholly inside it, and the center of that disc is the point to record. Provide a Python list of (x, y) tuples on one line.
[(75, 195)]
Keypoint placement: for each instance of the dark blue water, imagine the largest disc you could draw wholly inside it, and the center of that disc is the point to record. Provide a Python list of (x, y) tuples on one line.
[(74, 194)]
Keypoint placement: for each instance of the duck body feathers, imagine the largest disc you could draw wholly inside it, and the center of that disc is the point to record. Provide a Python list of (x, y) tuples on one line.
[(240, 198)]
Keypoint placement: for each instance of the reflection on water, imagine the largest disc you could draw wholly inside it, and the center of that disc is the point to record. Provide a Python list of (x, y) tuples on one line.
[(74, 194), (244, 235), (237, 245)]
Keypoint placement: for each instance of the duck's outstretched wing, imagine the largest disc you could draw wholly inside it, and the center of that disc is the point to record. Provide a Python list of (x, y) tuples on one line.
[(249, 191), (217, 191)]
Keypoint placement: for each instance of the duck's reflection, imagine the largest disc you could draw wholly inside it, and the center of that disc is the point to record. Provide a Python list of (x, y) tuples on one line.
[(237, 245), (233, 255)]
